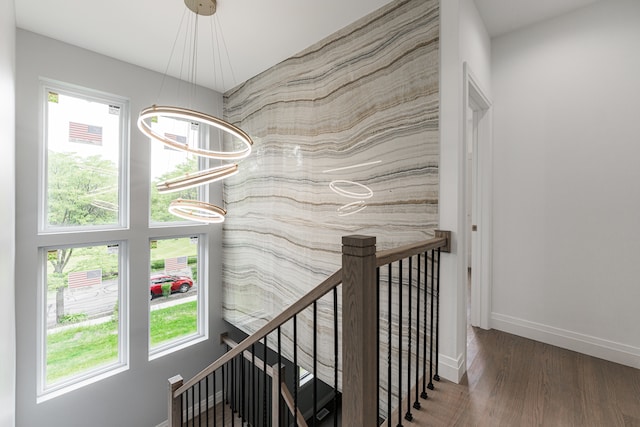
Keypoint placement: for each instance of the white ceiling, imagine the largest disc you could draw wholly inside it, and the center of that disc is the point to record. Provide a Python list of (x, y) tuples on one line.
[(503, 16), (257, 33)]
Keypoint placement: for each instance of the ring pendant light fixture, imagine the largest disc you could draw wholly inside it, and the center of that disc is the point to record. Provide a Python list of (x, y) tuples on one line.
[(194, 116), (194, 209), (191, 180), (197, 211)]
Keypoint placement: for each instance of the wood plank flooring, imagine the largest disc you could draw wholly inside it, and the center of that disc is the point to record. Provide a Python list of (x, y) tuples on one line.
[(514, 381)]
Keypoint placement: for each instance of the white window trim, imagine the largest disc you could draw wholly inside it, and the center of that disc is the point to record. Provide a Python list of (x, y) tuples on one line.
[(202, 332), (53, 237), (91, 376), (47, 85)]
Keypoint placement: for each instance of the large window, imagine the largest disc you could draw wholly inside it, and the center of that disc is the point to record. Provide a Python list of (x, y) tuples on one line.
[(84, 292), (174, 278), (84, 142), (85, 332), (91, 274)]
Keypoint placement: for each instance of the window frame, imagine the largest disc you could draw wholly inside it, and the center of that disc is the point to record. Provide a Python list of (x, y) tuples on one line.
[(46, 392), (57, 237), (131, 233), (202, 332), (48, 85)]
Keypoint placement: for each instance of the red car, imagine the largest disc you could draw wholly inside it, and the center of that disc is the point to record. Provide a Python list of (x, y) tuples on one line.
[(178, 283)]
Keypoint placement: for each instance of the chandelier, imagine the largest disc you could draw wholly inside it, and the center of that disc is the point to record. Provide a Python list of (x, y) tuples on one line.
[(194, 209)]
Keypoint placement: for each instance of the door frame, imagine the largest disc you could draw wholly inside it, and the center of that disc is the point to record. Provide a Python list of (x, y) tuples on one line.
[(481, 244)]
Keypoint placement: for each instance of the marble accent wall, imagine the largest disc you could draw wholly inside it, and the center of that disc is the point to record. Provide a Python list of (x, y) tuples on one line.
[(359, 109)]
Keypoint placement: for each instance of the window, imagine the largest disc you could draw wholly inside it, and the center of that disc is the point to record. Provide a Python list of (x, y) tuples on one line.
[(84, 240), (85, 332), (84, 141), (83, 282), (174, 309), (168, 163)]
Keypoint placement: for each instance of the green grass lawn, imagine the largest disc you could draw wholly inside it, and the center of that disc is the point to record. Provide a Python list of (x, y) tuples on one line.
[(173, 322), (80, 349)]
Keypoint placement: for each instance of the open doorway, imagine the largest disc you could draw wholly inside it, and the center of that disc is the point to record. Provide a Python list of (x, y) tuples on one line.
[(477, 205)]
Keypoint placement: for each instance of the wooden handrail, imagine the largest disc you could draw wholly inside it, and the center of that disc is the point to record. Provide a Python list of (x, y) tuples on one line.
[(402, 252), (316, 293)]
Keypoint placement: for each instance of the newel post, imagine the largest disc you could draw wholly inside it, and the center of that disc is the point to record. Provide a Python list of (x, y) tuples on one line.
[(359, 329), (175, 411)]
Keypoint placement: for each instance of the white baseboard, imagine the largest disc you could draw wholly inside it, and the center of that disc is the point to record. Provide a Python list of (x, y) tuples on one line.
[(593, 346), (451, 369)]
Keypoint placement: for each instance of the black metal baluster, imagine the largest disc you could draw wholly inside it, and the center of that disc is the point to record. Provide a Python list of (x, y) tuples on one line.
[(280, 417), (296, 376), (377, 345), (232, 378), (224, 396), (389, 343), (315, 362), (430, 386), (436, 376), (335, 357), (399, 343), (215, 401), (416, 403), (227, 384), (243, 385), (264, 389), (193, 406), (424, 395), (206, 402), (199, 403), (408, 416), (253, 385)]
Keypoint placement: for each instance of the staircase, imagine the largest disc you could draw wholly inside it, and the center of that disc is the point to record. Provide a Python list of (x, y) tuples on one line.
[(369, 334)]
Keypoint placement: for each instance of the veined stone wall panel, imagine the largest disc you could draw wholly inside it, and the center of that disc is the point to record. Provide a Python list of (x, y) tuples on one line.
[(368, 94)]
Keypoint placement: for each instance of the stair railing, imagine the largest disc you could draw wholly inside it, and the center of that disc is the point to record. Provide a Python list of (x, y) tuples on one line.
[(375, 286)]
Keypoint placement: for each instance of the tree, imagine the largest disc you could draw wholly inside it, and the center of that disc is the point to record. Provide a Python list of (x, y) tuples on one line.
[(80, 191), (160, 202)]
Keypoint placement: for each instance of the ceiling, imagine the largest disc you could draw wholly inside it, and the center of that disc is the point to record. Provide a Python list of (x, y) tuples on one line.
[(503, 16), (257, 34)]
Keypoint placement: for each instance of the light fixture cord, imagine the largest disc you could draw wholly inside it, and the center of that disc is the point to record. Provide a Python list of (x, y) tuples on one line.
[(194, 62), (173, 48), (226, 51)]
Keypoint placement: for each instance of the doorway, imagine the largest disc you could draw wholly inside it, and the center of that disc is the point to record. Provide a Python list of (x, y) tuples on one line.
[(477, 201)]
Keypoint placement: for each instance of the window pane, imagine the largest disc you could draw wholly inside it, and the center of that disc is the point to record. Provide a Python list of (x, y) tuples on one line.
[(168, 163), (82, 311), (83, 143), (173, 290)]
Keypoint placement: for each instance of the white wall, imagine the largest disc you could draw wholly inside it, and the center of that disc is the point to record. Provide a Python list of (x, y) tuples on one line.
[(138, 396), (7, 213), (463, 38), (566, 181)]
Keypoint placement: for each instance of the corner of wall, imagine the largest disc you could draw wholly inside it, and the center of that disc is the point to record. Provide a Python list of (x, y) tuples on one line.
[(7, 216)]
